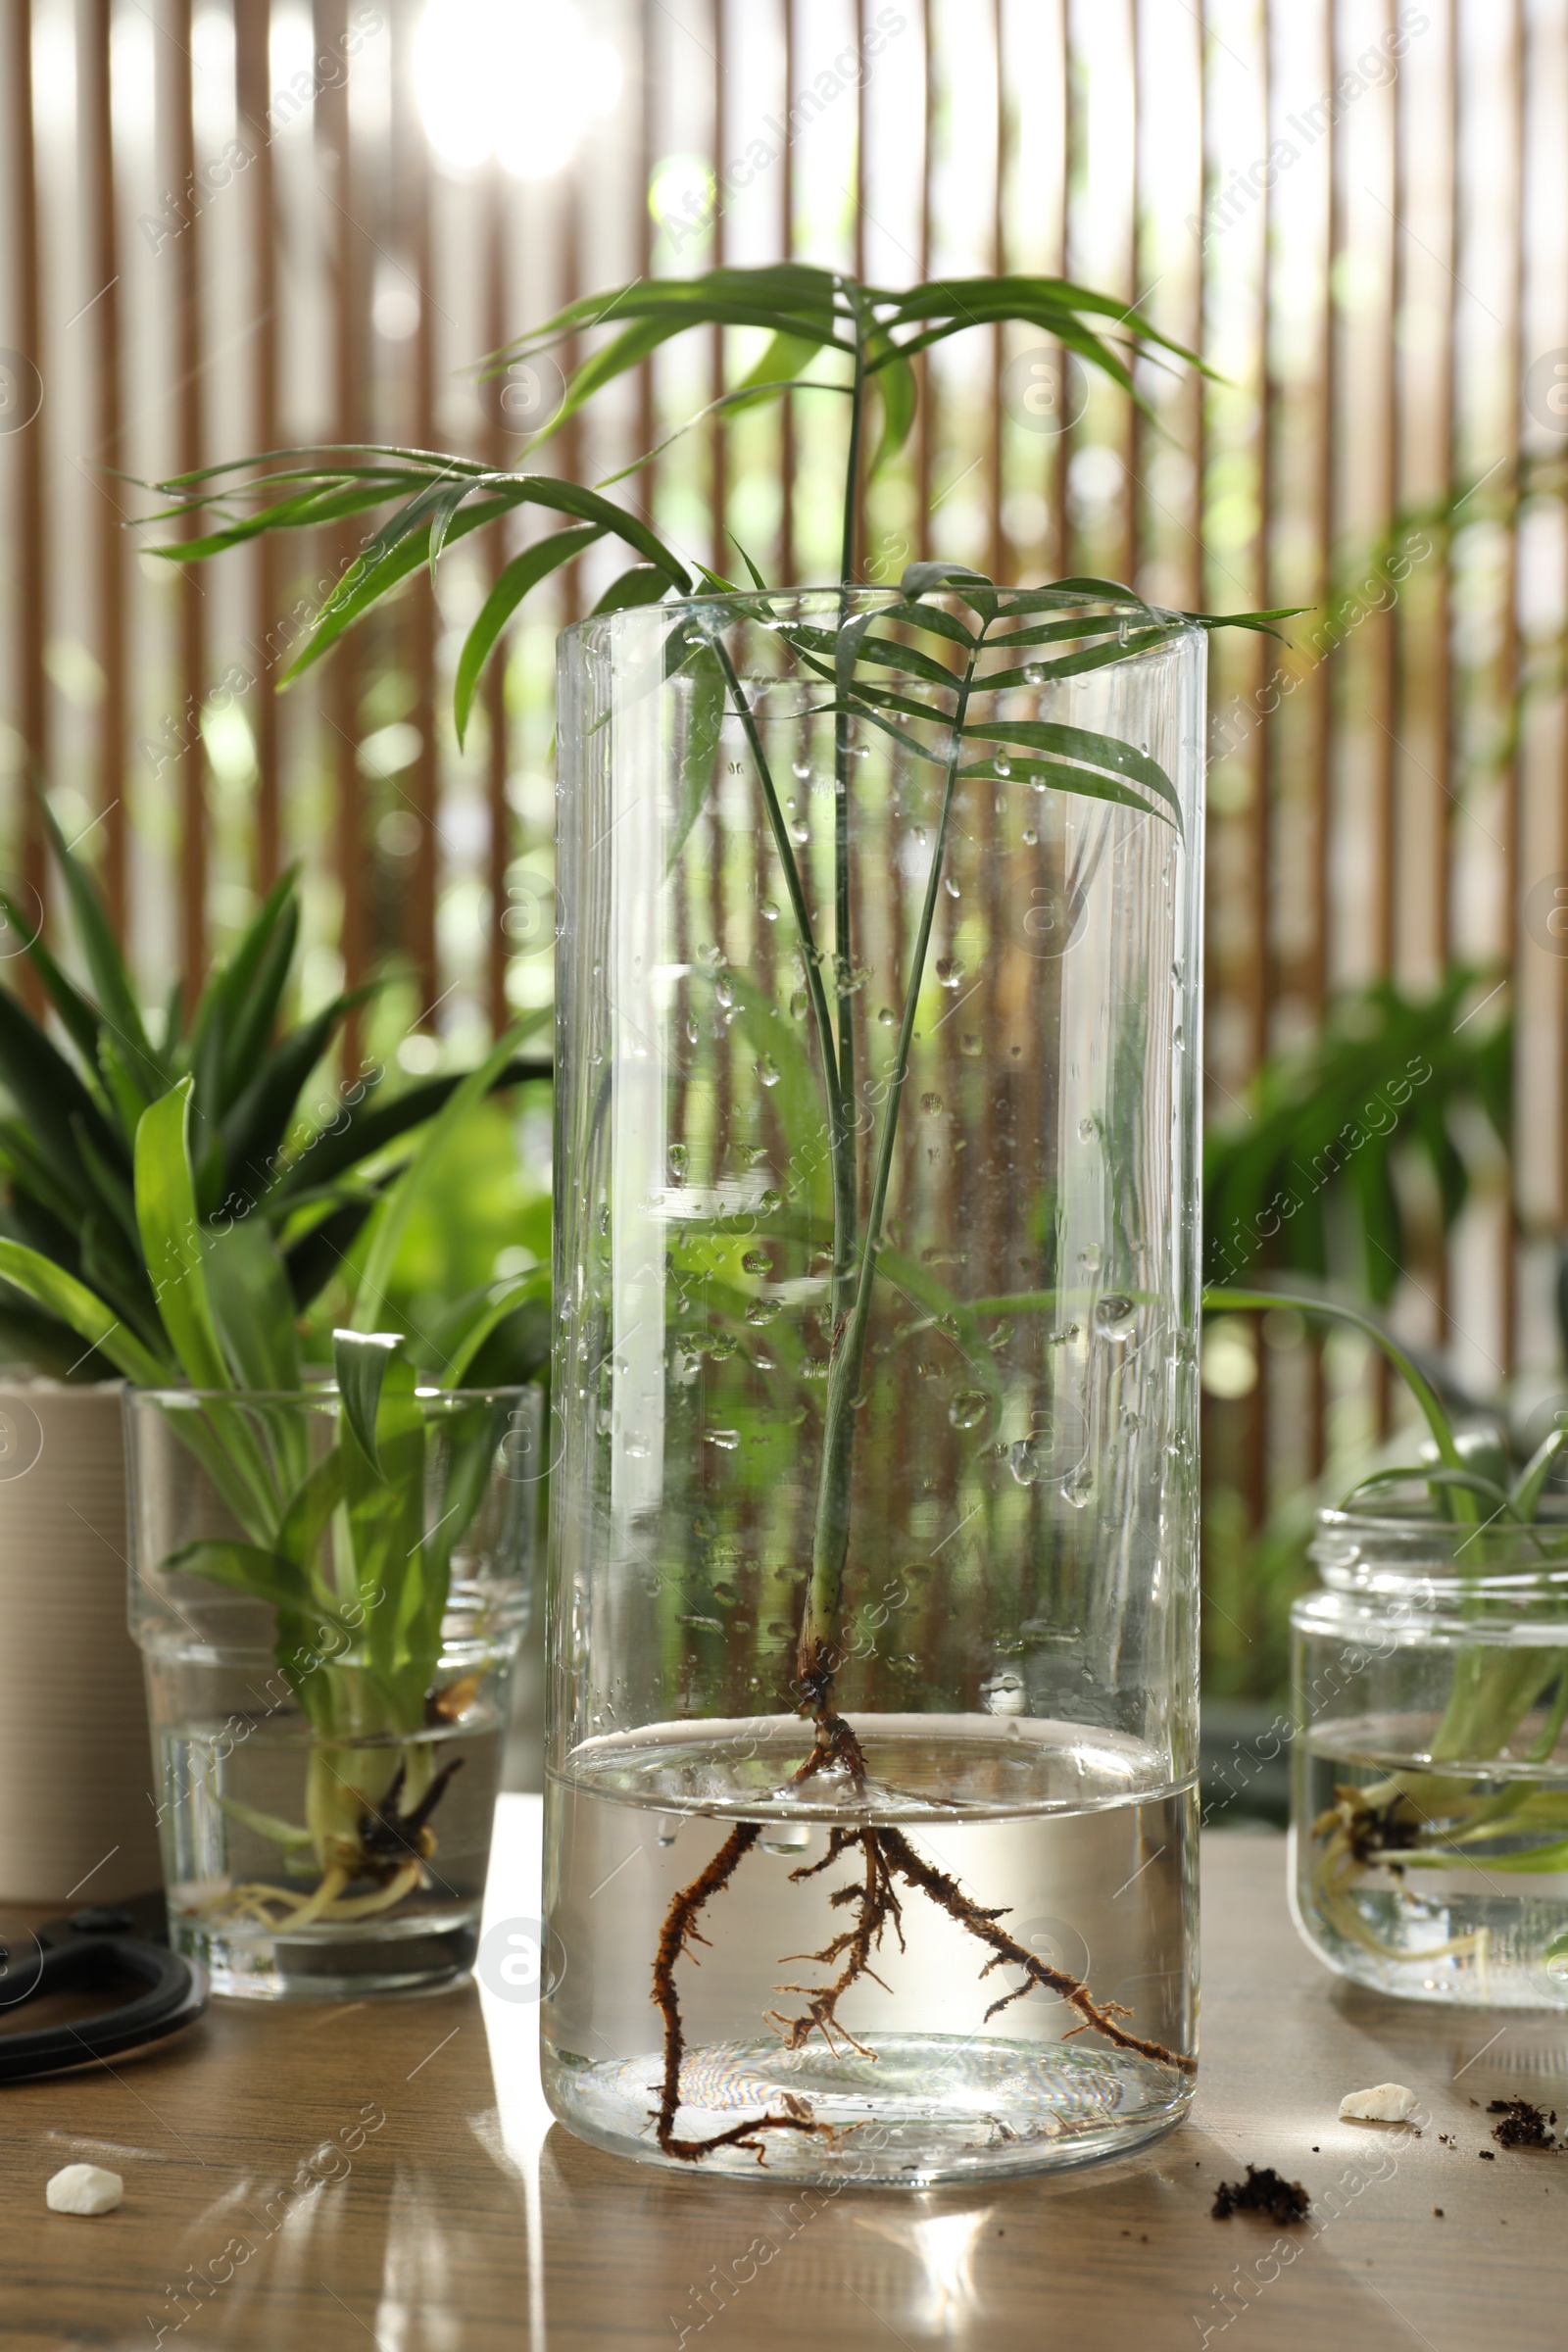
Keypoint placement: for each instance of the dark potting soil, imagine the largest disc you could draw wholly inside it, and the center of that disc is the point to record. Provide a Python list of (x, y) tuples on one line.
[(1524, 2126), (1265, 2192)]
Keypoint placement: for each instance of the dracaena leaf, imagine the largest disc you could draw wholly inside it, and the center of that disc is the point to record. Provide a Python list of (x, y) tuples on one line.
[(171, 1237), (50, 1287), (361, 1361)]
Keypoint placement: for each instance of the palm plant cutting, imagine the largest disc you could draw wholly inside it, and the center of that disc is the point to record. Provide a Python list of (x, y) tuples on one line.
[(876, 1294)]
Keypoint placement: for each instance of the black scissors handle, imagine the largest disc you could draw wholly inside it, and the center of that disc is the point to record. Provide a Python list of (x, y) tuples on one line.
[(95, 1951)]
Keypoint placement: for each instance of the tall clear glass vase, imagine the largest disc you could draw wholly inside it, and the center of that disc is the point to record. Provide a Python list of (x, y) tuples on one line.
[(870, 1822)]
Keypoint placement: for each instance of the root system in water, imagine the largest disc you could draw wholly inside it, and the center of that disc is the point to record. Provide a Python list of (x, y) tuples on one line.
[(873, 1902)]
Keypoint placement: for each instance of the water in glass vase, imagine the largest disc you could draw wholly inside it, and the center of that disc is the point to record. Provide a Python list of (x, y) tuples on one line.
[(1437, 1886), (239, 1894), (972, 1836)]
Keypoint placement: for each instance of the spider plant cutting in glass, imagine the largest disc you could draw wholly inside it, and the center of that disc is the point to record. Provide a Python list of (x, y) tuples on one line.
[(169, 1216), (921, 669), (1444, 1836)]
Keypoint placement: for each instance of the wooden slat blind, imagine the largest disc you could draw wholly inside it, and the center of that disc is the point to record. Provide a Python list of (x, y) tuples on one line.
[(1351, 206)]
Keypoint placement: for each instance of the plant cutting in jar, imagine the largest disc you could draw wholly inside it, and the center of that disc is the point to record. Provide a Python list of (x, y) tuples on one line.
[(954, 673), (1481, 1799), (169, 1216)]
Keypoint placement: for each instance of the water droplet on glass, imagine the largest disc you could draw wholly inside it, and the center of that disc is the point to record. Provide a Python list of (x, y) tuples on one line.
[(1004, 767), (885, 1016), (1033, 673), (757, 1261), (1079, 1489), (1086, 1131), (951, 887), (931, 1103), (726, 1439), (636, 1445), (770, 1204), (667, 1828), (799, 1001), (720, 1347), (1089, 1255), (969, 1046), (1030, 837), (725, 994), (768, 1070), (1115, 1317), (1003, 1694), (800, 834), (761, 1310), (785, 1838), (679, 1160), (692, 1033), (801, 768), (967, 1409), (948, 972), (711, 955), (768, 912)]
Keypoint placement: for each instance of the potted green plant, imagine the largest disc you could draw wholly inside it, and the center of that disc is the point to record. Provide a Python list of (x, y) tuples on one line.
[(778, 1415), (292, 1162), (1430, 1679)]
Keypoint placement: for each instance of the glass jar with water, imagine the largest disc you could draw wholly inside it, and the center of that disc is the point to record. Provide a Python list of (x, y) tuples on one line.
[(1430, 1805)]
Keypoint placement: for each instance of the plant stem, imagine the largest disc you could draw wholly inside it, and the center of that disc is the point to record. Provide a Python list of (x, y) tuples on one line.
[(840, 1140), (844, 1251), (820, 1626)]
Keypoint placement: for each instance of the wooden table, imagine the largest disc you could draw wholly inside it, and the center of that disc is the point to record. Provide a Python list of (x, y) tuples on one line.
[(388, 2175)]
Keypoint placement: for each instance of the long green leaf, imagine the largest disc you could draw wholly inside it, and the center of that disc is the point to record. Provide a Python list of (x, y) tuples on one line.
[(360, 1361), (116, 999), (1220, 1298), (253, 1308), (253, 1134), (171, 1236), (1083, 747), (397, 1207), (50, 1287), (49, 1096), (80, 1018), (247, 1568), (522, 574)]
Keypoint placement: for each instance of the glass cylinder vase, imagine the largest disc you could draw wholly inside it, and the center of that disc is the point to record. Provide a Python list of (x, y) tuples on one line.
[(874, 1513), (1429, 1789), (328, 1615)]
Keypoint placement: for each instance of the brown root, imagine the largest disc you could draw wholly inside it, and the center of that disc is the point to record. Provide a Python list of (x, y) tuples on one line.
[(876, 1904), (949, 1897), (677, 1935)]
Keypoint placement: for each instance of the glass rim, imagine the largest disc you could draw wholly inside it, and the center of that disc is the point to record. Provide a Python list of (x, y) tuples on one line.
[(1371, 1553), (1420, 1527), (1178, 624), (327, 1392)]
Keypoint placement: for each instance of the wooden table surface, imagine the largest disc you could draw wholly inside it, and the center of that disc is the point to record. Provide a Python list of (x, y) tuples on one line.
[(388, 2173)]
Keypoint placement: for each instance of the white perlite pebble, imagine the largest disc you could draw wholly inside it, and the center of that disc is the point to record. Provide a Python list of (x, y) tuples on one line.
[(84, 2189), (1383, 2103)]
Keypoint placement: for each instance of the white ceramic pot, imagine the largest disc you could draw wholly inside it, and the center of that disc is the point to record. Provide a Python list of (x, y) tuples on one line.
[(77, 1817)]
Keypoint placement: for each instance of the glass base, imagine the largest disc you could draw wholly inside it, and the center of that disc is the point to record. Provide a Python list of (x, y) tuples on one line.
[(842, 1967), (907, 2113), (1453, 1938), (426, 1953)]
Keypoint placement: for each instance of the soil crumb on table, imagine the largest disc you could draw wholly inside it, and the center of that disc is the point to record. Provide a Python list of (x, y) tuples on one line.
[(1523, 2126), (1265, 2192)]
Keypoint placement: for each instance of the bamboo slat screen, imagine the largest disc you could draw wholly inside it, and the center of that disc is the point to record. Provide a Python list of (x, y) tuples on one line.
[(232, 224)]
